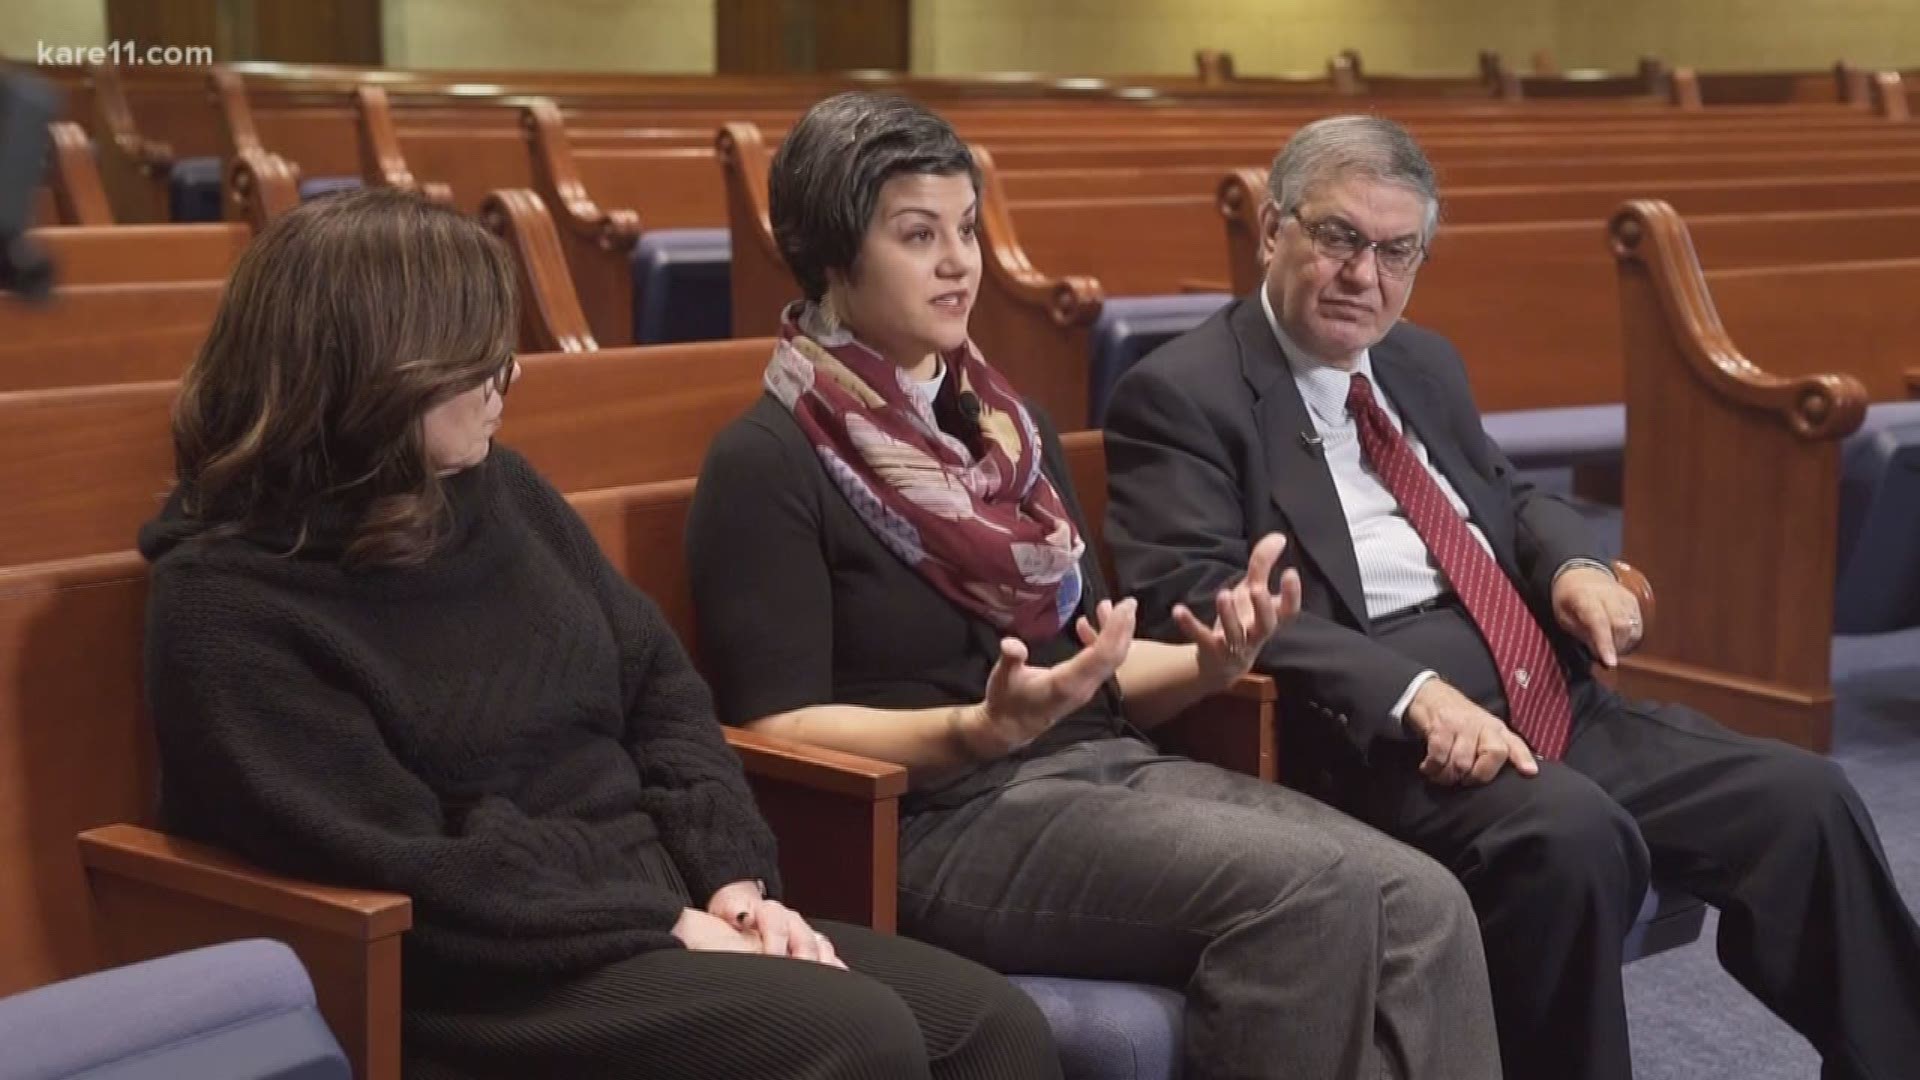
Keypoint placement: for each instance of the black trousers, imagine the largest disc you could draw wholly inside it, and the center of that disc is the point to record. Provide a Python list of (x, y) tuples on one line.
[(904, 1010), (1556, 866)]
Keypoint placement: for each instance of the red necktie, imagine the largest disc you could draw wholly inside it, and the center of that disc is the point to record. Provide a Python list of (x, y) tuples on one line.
[(1537, 701)]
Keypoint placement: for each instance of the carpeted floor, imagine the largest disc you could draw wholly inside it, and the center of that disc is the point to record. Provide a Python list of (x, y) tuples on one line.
[(1693, 1022)]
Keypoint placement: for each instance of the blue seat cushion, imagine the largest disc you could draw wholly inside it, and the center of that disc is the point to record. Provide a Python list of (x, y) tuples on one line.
[(1877, 586), (193, 189), (1557, 438), (1110, 1030), (682, 286), (242, 1009), (316, 186), (1130, 327), (1668, 919)]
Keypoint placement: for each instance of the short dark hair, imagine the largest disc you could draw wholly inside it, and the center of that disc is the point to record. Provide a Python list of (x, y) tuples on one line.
[(344, 321), (826, 177)]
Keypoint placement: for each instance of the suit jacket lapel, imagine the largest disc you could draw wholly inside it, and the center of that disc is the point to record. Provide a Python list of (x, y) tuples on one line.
[(1413, 394), (1302, 486)]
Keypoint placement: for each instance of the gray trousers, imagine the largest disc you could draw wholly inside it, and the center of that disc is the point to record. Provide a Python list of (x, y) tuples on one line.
[(1308, 945)]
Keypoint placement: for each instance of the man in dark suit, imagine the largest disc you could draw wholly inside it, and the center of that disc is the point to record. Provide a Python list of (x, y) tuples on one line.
[(1437, 683)]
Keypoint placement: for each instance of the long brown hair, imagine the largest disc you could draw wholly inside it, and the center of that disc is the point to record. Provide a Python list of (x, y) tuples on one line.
[(344, 321)]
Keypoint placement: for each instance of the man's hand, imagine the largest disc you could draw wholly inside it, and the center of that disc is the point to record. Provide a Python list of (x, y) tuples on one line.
[(1466, 744), (1598, 610)]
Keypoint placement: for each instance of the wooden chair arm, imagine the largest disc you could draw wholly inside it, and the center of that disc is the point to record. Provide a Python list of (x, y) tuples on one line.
[(1235, 729), (1636, 583), (837, 819), (154, 894), (183, 867), (830, 771)]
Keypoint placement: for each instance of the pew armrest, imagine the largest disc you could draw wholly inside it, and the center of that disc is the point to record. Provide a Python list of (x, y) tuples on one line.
[(837, 819), (783, 761), (1235, 729), (154, 894), (116, 854)]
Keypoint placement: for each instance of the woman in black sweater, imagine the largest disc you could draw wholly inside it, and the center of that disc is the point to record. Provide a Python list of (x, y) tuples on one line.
[(383, 653), (887, 559)]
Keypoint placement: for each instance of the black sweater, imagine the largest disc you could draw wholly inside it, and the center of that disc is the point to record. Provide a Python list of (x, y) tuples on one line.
[(509, 733)]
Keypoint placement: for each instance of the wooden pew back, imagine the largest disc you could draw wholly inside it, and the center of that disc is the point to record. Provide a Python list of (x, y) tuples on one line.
[(83, 467), (1732, 472)]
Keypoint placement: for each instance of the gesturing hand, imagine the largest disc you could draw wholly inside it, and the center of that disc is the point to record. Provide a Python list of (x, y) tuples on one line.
[(1023, 701), (1246, 615), (1466, 744)]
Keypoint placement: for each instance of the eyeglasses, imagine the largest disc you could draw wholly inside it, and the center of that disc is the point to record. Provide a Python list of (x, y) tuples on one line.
[(502, 380), (1340, 242)]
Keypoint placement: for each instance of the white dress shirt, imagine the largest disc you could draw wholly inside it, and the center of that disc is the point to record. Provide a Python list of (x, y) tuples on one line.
[(1396, 569)]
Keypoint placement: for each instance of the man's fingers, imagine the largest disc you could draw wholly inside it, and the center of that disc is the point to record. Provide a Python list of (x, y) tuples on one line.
[(1460, 762), (1488, 758), (1439, 746), (1599, 628), (1521, 755)]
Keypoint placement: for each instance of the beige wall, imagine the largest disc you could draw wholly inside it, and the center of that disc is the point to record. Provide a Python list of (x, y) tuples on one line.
[(1741, 34), (1428, 36), (72, 23), (1127, 36), (583, 35)]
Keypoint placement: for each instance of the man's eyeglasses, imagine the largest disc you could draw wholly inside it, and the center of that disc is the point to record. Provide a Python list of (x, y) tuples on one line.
[(1340, 242)]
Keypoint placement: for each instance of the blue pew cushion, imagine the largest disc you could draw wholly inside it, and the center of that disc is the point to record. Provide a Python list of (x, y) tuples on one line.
[(315, 186), (682, 286), (193, 189), (1110, 1030), (1130, 327), (241, 1009), (1877, 586), (1557, 438)]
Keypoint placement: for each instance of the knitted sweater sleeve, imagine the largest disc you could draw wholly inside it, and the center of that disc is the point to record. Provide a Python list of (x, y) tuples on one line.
[(269, 749), (694, 787)]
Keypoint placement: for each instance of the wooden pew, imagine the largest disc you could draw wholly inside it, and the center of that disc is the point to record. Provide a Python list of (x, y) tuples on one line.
[(1033, 327), (130, 302), (1740, 385), (83, 467), (73, 179), (1107, 238)]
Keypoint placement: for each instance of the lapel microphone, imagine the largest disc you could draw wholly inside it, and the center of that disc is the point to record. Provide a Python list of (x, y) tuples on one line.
[(1313, 443)]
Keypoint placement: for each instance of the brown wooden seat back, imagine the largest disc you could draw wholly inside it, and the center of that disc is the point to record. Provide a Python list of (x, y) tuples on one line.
[(1732, 473), (82, 468)]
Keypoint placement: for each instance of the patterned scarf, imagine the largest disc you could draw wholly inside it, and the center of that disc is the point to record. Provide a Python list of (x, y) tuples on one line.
[(990, 533)]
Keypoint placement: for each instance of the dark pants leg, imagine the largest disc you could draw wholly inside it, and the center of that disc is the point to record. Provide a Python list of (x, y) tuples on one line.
[(1298, 935), (905, 1010), (1556, 866), (1778, 840)]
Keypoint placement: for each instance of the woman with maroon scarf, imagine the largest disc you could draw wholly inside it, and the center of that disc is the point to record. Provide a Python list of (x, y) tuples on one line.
[(888, 559)]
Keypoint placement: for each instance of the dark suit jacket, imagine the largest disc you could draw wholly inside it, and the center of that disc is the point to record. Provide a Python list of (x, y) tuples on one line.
[(1205, 453)]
